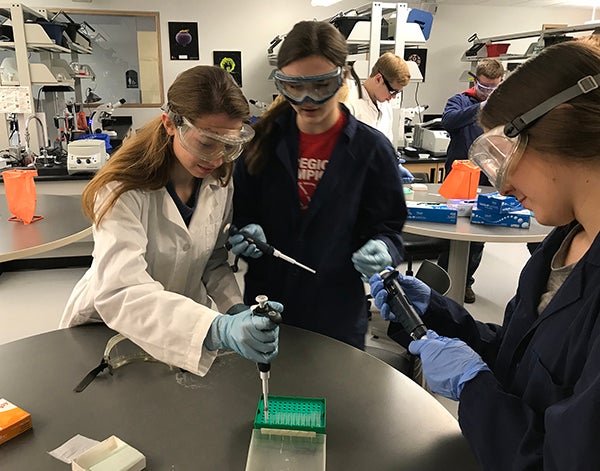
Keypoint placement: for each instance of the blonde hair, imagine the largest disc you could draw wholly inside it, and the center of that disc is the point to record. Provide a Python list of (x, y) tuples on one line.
[(144, 161), (393, 68)]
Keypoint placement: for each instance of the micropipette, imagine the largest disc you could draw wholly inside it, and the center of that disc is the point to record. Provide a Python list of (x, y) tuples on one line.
[(265, 248), (402, 307), (264, 369)]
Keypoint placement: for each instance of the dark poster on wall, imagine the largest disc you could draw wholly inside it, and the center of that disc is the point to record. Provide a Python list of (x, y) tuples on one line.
[(183, 41), (231, 61), (417, 55)]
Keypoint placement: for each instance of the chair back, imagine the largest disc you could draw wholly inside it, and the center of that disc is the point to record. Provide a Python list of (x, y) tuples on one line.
[(434, 276)]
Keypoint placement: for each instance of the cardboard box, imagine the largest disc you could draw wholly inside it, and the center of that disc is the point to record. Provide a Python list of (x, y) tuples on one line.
[(498, 203), (431, 212), (13, 420), (518, 219)]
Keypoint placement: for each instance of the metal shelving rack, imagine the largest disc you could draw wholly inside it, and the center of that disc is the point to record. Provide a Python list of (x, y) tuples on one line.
[(30, 37), (540, 34)]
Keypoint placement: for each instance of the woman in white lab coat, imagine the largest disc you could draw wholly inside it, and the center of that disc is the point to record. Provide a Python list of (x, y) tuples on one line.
[(159, 208)]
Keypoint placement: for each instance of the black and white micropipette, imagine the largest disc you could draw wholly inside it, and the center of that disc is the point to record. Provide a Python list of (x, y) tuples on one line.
[(266, 248), (264, 369), (402, 307)]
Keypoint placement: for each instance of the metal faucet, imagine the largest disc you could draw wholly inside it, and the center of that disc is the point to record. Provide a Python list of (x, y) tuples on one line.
[(28, 135)]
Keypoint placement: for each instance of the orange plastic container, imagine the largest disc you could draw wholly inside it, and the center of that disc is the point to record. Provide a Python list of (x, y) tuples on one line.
[(494, 50)]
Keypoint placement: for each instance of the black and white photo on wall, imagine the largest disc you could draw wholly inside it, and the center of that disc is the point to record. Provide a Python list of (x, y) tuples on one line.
[(231, 61), (418, 55), (183, 41), (131, 79)]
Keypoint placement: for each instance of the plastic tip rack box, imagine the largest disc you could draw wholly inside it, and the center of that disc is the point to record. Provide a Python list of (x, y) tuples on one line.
[(431, 212)]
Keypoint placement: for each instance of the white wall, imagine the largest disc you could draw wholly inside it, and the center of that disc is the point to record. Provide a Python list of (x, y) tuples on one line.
[(452, 25), (250, 26)]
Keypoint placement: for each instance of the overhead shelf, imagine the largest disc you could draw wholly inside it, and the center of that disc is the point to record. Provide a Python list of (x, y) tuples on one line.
[(532, 50)]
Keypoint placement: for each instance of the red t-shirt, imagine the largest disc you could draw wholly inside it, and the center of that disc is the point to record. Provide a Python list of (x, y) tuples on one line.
[(315, 151)]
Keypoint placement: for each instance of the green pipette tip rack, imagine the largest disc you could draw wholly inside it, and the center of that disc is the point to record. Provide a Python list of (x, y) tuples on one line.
[(292, 413)]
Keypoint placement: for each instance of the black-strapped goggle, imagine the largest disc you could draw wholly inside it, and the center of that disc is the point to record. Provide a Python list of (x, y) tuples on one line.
[(316, 89), (498, 151)]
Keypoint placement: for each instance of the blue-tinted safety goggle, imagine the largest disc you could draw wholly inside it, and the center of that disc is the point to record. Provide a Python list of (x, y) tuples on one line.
[(316, 89)]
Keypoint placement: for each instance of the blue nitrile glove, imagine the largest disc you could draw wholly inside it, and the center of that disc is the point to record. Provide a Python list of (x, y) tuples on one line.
[(237, 308), (253, 337), (371, 258), (447, 363), (406, 176), (239, 246), (417, 292)]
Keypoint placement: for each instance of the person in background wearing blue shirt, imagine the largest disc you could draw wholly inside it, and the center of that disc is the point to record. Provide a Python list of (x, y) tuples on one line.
[(460, 120), (321, 187), (529, 388)]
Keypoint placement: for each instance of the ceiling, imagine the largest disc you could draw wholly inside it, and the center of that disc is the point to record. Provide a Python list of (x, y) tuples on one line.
[(523, 3)]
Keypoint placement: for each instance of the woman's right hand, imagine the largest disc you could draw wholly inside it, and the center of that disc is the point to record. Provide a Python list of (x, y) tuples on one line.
[(253, 337)]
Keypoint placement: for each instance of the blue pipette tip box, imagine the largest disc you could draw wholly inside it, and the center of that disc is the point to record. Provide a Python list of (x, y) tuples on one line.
[(292, 413)]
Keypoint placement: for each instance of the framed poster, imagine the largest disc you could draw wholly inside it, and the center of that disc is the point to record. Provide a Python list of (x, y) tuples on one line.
[(417, 55), (231, 61), (183, 41)]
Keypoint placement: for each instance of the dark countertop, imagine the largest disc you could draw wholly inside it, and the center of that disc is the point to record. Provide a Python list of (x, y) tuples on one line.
[(377, 418), (53, 173)]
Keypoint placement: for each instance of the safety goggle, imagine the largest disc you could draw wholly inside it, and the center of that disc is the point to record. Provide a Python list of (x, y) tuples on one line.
[(119, 351), (392, 91), (209, 146), (485, 90), (496, 154), (316, 89), (498, 151)]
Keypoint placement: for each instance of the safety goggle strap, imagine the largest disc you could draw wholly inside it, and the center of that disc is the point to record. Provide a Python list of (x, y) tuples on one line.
[(307, 78), (520, 123)]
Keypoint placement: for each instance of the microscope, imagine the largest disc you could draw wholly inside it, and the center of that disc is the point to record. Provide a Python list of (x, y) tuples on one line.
[(104, 112)]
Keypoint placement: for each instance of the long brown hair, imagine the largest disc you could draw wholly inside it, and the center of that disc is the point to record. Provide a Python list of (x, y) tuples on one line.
[(144, 161), (307, 38), (572, 129)]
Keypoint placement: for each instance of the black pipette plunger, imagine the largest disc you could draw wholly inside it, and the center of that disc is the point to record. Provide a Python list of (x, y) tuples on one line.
[(402, 307)]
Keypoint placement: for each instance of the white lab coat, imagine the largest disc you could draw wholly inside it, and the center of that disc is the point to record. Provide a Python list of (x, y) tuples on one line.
[(378, 116), (151, 276)]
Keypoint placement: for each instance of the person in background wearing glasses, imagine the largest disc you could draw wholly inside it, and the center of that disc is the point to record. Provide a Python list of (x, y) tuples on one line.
[(369, 102), (321, 187), (460, 120), (159, 209), (529, 389)]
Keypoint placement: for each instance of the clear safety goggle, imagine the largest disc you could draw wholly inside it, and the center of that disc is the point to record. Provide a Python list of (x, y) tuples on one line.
[(316, 89), (207, 145), (496, 154), (498, 151), (119, 351), (485, 90)]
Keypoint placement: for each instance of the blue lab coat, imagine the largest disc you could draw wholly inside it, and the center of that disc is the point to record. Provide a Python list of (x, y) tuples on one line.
[(540, 406), (359, 197)]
